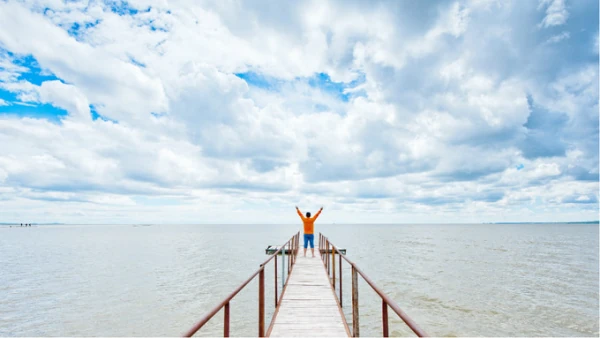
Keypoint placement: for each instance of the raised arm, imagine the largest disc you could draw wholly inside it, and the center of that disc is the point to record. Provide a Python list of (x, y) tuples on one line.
[(318, 213), (299, 213)]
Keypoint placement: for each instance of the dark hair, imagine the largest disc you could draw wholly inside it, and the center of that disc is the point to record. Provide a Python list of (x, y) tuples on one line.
[(308, 214)]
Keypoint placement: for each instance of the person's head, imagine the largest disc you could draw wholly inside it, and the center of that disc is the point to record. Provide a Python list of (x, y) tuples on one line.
[(308, 214)]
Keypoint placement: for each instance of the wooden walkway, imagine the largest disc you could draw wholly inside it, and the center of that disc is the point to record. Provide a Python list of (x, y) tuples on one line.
[(309, 307)]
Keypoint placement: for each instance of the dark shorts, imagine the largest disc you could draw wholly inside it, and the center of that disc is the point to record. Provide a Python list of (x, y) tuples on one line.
[(309, 238)]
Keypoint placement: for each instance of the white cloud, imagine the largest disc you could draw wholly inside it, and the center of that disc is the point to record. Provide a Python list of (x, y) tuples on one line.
[(120, 87), (433, 131), (65, 96), (559, 37), (556, 13), (9, 71)]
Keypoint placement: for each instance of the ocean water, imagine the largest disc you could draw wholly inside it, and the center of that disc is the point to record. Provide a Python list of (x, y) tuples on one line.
[(158, 280)]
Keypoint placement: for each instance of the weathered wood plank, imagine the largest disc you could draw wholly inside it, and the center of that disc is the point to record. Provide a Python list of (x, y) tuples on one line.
[(308, 307), (316, 321)]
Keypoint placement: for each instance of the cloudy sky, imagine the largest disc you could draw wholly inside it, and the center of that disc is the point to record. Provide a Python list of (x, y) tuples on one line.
[(236, 111)]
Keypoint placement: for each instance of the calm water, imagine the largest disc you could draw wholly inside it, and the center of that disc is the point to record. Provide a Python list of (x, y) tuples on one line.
[(454, 280)]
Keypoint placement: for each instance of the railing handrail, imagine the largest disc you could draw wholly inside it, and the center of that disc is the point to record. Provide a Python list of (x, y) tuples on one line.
[(226, 300), (217, 308), (390, 302)]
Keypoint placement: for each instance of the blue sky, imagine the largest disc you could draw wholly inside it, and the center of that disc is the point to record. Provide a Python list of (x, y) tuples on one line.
[(383, 111)]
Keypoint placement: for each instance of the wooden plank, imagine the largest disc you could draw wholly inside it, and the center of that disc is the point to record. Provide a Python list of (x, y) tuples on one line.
[(304, 307), (306, 333), (316, 321), (306, 327), (309, 307), (289, 327)]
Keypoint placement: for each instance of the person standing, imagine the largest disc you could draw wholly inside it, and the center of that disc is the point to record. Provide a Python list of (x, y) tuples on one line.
[(309, 227)]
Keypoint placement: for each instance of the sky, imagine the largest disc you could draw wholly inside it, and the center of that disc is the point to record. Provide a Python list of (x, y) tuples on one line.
[(189, 111)]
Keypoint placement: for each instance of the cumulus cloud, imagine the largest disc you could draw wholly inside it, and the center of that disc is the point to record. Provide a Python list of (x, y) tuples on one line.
[(556, 13), (382, 111)]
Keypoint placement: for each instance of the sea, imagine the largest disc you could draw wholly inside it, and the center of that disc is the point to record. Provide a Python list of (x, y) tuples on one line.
[(159, 280)]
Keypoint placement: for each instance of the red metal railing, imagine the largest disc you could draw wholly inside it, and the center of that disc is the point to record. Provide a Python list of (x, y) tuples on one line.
[(292, 246), (327, 249)]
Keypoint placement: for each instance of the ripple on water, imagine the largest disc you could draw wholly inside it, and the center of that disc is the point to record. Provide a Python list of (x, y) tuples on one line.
[(484, 280)]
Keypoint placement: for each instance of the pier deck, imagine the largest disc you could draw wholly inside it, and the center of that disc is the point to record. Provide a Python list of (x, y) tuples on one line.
[(309, 307), (271, 249)]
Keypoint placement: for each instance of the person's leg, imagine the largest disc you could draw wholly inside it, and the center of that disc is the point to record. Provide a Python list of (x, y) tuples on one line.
[(312, 244), (305, 243)]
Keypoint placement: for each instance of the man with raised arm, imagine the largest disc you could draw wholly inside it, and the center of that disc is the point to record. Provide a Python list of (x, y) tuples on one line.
[(309, 227)]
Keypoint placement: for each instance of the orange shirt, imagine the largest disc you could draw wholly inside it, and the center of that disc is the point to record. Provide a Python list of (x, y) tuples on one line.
[(309, 222)]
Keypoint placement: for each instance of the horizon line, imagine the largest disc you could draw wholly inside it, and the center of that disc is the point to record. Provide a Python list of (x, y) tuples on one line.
[(335, 223)]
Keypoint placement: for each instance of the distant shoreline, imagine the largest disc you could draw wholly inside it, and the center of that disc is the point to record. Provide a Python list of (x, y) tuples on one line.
[(147, 224), (581, 222)]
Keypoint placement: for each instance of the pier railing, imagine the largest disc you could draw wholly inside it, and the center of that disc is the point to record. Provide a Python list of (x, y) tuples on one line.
[(292, 246), (328, 251)]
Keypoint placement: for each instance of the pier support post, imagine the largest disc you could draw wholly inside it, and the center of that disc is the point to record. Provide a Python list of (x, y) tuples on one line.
[(226, 321), (333, 265), (328, 265), (275, 283), (341, 295), (282, 268), (355, 324), (290, 257), (384, 318), (261, 302)]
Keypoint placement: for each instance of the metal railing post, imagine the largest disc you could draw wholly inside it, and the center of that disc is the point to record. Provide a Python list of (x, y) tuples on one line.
[(341, 302), (276, 300), (282, 268), (261, 302), (292, 250), (355, 324), (327, 255), (333, 266), (226, 321), (293, 247), (320, 244), (384, 316), (225, 304), (323, 253)]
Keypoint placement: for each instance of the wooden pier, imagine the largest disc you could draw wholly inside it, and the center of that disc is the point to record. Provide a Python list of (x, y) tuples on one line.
[(308, 307), (308, 304)]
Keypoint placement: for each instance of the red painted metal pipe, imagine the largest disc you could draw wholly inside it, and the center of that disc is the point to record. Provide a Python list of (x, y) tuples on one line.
[(275, 283), (216, 309), (227, 299), (341, 295), (226, 321), (261, 303), (384, 318), (390, 302)]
